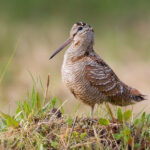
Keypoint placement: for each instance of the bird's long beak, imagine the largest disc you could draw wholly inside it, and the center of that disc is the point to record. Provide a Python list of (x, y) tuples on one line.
[(68, 41)]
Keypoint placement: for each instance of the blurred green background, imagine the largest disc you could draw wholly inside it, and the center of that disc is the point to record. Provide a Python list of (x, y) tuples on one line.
[(35, 28)]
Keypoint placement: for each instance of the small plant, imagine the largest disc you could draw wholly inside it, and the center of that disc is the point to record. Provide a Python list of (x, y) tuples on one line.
[(103, 121), (123, 117)]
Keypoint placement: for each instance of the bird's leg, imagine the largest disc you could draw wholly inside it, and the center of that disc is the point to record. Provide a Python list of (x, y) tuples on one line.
[(110, 112), (92, 110)]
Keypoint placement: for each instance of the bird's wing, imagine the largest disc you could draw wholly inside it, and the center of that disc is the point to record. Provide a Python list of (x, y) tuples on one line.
[(100, 75)]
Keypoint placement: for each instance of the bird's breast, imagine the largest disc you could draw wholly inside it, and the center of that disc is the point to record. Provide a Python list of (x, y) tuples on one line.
[(72, 73)]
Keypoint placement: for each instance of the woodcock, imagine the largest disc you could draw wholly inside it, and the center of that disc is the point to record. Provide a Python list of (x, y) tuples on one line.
[(86, 74)]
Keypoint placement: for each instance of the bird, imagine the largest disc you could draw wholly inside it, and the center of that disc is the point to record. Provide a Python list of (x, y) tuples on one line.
[(89, 78)]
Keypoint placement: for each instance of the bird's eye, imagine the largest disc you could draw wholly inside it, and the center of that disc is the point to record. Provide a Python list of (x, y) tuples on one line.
[(80, 28)]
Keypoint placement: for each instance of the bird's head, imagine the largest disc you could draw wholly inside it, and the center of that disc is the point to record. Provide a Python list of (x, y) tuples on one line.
[(80, 34)]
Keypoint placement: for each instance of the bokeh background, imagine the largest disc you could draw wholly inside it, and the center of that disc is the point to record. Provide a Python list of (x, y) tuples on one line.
[(36, 28)]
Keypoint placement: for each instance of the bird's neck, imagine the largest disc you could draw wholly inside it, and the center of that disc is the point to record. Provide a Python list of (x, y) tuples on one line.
[(79, 48)]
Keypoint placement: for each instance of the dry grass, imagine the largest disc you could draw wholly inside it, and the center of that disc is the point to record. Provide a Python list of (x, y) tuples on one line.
[(54, 130)]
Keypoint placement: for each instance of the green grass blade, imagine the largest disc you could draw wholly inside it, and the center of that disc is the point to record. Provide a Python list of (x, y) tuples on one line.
[(11, 122), (41, 83), (32, 77), (7, 65)]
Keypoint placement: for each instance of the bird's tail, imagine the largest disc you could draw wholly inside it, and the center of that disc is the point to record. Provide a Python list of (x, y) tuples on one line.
[(136, 96)]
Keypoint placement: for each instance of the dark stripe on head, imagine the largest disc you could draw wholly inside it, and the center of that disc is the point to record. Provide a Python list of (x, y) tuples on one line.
[(81, 23)]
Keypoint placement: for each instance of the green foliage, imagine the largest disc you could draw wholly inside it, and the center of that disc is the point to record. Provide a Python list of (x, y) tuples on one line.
[(69, 121), (77, 136), (83, 135), (9, 120), (53, 101), (127, 115), (54, 144), (125, 134), (30, 107), (121, 117), (103, 121)]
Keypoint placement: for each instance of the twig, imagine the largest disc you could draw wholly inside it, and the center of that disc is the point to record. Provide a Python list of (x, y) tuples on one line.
[(96, 136), (110, 112), (71, 132), (46, 90), (114, 140)]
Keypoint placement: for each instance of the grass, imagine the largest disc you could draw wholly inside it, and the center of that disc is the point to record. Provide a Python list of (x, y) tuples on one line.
[(7, 65), (38, 124)]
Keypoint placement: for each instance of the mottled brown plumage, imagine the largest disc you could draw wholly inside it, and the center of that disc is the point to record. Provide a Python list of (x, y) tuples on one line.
[(88, 77)]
